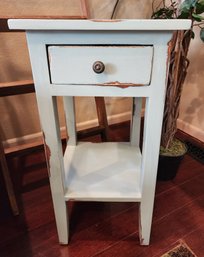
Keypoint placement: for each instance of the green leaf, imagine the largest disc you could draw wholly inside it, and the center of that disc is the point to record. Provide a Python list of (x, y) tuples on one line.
[(192, 34), (200, 7), (186, 8), (184, 15), (163, 13), (158, 14), (197, 17), (188, 4), (202, 34)]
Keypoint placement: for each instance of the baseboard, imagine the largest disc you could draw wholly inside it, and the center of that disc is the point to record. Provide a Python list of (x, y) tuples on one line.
[(36, 138), (191, 130), (27, 139)]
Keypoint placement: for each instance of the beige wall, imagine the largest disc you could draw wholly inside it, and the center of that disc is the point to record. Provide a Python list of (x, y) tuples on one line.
[(19, 115), (191, 117)]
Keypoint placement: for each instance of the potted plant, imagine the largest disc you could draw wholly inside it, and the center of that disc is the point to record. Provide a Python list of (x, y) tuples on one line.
[(172, 149)]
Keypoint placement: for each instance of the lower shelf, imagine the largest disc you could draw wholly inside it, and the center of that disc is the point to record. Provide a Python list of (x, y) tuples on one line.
[(102, 172)]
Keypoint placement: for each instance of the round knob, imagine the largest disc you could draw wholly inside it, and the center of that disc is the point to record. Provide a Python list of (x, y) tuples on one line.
[(98, 67)]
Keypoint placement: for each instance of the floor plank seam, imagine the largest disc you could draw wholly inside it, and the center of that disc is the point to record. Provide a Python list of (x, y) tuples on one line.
[(177, 209), (114, 244), (178, 185), (192, 231)]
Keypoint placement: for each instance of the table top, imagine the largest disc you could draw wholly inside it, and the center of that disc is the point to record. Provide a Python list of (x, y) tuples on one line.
[(147, 24), (44, 9)]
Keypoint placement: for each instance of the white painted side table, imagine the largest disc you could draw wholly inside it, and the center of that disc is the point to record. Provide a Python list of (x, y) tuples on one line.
[(120, 58)]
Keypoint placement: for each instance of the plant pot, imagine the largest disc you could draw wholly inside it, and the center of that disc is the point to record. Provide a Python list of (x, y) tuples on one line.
[(168, 167), (169, 164)]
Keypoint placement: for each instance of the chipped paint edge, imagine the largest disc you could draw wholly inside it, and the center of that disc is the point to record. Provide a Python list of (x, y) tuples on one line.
[(121, 85), (47, 153)]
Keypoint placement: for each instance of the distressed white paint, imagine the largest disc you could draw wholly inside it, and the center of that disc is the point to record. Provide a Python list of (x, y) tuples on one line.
[(103, 172), (30, 24), (123, 64), (88, 169)]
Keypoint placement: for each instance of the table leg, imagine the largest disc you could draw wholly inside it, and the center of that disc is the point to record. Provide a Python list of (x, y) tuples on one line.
[(53, 148)]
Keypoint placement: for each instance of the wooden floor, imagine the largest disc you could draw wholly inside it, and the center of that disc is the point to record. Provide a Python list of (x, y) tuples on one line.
[(100, 229)]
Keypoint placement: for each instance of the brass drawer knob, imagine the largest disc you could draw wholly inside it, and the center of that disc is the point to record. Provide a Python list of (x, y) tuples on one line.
[(98, 67)]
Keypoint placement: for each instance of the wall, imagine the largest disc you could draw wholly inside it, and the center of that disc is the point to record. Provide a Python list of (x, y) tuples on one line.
[(191, 118), (19, 115)]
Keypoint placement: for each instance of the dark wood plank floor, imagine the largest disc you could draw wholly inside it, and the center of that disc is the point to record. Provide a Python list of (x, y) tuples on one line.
[(100, 229)]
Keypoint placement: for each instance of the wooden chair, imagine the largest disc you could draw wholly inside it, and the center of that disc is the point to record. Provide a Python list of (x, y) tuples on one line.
[(78, 10), (25, 87), (7, 89), (8, 181)]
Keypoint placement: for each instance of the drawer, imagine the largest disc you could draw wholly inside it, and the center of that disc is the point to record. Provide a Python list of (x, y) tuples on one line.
[(100, 65)]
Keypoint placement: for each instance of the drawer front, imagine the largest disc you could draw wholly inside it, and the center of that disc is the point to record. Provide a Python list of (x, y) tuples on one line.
[(118, 65)]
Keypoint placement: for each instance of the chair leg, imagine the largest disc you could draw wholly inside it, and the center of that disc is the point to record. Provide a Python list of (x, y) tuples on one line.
[(8, 182), (136, 122), (102, 118)]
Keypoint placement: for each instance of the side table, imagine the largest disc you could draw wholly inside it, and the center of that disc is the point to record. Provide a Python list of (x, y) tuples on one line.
[(120, 58)]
